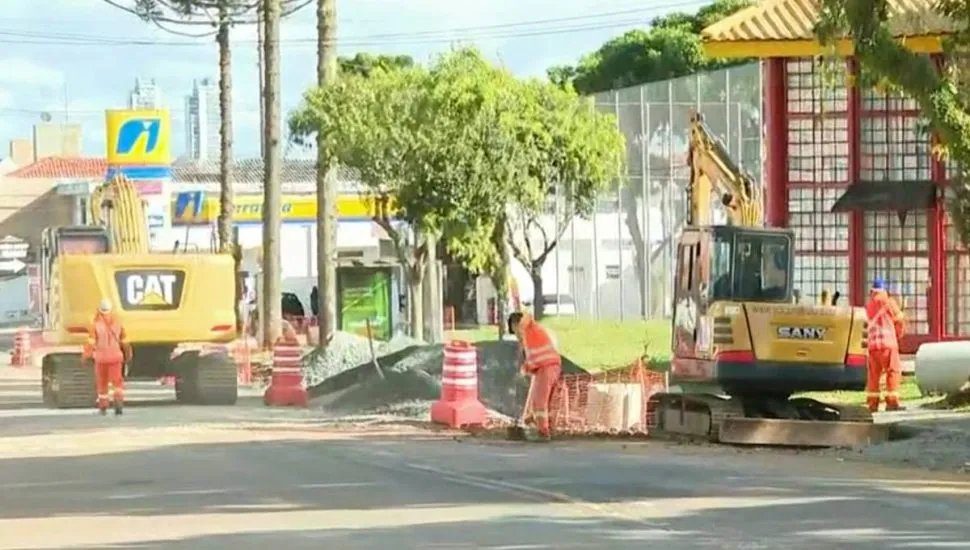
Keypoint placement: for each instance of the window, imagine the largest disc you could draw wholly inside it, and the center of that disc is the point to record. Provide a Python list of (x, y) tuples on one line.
[(761, 268), (82, 245), (721, 268)]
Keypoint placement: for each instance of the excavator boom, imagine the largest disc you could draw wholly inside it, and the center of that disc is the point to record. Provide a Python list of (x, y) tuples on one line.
[(712, 169)]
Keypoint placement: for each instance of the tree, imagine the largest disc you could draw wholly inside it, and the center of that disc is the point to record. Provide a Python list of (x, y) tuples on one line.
[(363, 63), (427, 146), (327, 71), (222, 14), (576, 153), (669, 48), (941, 95), (272, 191)]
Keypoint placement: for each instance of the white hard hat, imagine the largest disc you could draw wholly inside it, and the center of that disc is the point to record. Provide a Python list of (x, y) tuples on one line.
[(104, 306)]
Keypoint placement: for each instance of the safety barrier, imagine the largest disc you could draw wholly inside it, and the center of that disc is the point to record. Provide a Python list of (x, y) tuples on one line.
[(608, 402), (286, 383), (459, 404), (20, 355)]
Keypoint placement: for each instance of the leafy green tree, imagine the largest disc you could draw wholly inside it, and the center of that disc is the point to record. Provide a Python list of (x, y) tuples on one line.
[(575, 154), (669, 48), (888, 63), (427, 146), (363, 63)]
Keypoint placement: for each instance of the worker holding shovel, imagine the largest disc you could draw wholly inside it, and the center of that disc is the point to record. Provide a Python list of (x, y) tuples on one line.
[(542, 362)]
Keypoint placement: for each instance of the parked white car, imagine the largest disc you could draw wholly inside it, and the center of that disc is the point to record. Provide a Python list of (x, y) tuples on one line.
[(561, 304)]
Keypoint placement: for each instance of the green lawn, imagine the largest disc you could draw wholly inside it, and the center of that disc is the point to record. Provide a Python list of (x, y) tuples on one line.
[(595, 345)]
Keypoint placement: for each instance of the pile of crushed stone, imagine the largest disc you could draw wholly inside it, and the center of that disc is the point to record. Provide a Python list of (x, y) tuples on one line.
[(347, 350), (412, 381), (930, 448)]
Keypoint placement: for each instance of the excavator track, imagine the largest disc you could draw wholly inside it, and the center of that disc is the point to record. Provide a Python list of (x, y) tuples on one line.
[(798, 422), (66, 383), (209, 379)]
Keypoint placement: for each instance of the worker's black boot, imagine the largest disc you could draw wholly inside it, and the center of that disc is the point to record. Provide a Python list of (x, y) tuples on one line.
[(119, 410)]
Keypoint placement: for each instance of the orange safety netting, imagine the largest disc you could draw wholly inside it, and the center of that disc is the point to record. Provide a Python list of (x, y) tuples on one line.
[(608, 402)]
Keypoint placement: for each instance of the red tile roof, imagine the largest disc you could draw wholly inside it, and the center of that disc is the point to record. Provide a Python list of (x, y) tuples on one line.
[(62, 167)]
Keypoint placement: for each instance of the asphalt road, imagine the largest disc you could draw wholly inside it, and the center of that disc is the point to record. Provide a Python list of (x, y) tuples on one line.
[(248, 477)]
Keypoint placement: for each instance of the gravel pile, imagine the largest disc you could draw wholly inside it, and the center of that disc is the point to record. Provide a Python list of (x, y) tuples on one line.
[(412, 381), (347, 351), (934, 449)]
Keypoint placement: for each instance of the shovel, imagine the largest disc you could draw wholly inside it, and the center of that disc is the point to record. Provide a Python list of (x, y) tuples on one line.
[(517, 432)]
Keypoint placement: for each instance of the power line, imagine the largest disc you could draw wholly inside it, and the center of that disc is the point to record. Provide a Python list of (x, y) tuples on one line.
[(540, 27)]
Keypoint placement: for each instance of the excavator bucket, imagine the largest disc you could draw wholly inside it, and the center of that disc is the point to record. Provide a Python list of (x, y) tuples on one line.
[(942, 367), (801, 433)]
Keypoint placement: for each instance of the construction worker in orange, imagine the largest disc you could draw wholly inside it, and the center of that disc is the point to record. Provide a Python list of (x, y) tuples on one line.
[(884, 331), (109, 348), (542, 361)]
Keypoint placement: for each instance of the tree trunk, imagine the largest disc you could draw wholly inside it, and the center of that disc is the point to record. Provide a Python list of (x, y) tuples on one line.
[(272, 199), (538, 302), (260, 67), (416, 299), (633, 226), (326, 181), (224, 221), (432, 290), (500, 275)]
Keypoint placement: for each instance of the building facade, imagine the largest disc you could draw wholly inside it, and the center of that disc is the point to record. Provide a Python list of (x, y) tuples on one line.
[(849, 169), (145, 95), (202, 121)]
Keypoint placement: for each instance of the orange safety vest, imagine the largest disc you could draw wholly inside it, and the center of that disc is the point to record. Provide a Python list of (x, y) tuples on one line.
[(540, 348), (885, 323), (107, 340)]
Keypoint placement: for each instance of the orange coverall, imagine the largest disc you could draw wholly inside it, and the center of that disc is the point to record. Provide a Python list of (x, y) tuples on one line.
[(108, 346), (885, 329), (542, 360)]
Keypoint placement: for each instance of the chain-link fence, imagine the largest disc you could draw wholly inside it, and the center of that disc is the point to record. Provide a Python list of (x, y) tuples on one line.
[(619, 263)]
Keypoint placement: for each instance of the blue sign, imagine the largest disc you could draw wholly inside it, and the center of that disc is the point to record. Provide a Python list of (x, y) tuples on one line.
[(189, 204)]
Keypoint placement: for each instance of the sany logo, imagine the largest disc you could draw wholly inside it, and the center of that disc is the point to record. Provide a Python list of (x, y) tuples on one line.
[(150, 290)]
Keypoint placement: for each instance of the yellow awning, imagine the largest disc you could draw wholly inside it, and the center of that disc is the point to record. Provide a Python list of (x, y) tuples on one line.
[(784, 28)]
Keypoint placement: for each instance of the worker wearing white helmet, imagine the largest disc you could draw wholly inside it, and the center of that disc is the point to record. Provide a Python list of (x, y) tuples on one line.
[(108, 345)]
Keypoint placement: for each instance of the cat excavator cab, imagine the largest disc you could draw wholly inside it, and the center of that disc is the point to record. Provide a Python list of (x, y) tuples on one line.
[(742, 345), (173, 305)]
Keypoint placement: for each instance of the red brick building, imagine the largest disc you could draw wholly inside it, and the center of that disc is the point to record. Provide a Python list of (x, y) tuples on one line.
[(850, 170)]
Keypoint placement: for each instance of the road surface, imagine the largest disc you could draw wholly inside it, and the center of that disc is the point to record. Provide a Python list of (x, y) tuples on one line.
[(249, 477)]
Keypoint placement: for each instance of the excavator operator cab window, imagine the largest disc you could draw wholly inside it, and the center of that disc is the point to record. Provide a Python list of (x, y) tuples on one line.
[(751, 267)]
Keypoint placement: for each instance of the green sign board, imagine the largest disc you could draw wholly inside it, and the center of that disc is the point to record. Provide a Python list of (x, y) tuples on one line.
[(365, 294)]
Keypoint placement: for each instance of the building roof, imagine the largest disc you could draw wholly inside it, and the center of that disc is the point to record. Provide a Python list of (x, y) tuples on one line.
[(297, 175), (63, 167), (785, 28)]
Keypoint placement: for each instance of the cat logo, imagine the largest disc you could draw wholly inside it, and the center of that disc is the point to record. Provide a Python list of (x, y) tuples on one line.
[(802, 333), (150, 290)]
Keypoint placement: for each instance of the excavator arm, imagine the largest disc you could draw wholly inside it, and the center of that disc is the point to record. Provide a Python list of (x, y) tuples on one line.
[(117, 206), (711, 168)]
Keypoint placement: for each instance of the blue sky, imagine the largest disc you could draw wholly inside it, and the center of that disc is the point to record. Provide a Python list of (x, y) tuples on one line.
[(44, 69)]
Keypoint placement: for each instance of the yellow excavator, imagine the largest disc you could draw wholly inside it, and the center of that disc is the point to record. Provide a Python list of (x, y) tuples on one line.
[(170, 303), (742, 345)]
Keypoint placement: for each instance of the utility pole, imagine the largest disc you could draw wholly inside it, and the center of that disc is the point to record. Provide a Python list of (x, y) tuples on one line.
[(326, 181), (272, 199), (260, 63)]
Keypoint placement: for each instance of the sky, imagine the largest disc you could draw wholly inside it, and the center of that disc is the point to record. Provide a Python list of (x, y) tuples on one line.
[(75, 58)]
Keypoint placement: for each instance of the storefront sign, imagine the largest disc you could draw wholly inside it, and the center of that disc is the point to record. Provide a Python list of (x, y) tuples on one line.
[(138, 137), (195, 209)]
